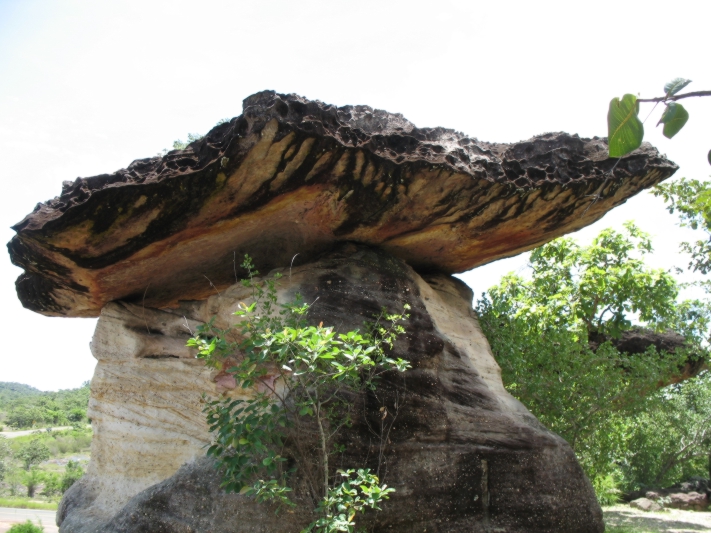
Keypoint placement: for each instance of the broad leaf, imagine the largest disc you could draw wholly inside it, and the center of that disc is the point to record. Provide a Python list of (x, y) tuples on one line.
[(624, 129), (673, 118), (709, 157), (676, 85)]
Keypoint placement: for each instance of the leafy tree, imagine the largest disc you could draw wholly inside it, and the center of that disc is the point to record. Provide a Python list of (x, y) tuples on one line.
[(33, 453), (626, 131), (22, 416), (540, 331), (31, 479), (76, 415), (671, 437), (303, 376), (691, 200)]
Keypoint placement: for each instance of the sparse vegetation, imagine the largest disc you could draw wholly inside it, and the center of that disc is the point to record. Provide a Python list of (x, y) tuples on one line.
[(301, 375), (26, 527), (55, 463)]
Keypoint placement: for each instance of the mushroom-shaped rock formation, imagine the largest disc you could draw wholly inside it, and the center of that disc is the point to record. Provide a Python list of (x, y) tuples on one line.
[(462, 454), (291, 176), (380, 213)]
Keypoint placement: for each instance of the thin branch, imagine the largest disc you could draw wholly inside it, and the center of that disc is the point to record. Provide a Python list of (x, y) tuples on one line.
[(212, 285), (291, 265), (143, 304), (675, 97)]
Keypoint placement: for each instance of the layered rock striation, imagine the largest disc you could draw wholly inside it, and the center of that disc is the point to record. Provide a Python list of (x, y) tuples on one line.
[(360, 209), (291, 176), (462, 454)]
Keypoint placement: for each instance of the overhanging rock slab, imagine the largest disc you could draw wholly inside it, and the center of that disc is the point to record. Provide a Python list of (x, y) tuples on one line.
[(292, 176)]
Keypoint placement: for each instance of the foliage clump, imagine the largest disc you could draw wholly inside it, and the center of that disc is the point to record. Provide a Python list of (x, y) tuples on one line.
[(301, 377), (26, 527), (601, 400)]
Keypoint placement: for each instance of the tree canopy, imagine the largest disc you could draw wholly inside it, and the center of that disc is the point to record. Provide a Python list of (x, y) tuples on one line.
[(542, 329)]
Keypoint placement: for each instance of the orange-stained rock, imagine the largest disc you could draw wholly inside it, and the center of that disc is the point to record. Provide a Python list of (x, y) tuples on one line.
[(291, 176)]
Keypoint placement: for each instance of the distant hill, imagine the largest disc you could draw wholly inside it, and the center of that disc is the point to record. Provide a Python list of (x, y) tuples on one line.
[(22, 406), (11, 391)]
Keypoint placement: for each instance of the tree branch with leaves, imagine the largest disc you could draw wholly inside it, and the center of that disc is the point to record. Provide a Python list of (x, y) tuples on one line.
[(625, 131), (299, 376)]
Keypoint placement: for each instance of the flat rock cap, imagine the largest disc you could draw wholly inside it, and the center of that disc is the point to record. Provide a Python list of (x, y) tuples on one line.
[(292, 176)]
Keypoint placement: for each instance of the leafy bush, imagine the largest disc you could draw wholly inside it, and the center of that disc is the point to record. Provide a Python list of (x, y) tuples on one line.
[(72, 474), (52, 484), (607, 489), (26, 527), (298, 373)]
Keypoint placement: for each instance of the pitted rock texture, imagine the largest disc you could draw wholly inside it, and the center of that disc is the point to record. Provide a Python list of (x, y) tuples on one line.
[(292, 176), (462, 454)]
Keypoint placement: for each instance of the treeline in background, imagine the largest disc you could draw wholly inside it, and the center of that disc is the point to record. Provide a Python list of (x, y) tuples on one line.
[(24, 407)]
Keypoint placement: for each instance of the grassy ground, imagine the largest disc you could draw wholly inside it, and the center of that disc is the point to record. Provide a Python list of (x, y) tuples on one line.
[(72, 444), (26, 503), (624, 519)]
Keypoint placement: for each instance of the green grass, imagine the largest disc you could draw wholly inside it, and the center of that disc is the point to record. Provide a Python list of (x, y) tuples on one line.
[(25, 503), (68, 441), (624, 529)]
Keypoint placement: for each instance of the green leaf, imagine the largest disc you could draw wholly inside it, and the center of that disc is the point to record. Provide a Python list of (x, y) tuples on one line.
[(673, 118), (624, 129), (676, 85), (709, 157)]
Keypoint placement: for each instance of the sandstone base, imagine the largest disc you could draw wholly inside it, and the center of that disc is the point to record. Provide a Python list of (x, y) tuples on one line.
[(463, 455)]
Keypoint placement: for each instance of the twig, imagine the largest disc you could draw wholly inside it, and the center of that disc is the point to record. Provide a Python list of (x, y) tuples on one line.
[(675, 97), (143, 304), (291, 265), (650, 113), (212, 285)]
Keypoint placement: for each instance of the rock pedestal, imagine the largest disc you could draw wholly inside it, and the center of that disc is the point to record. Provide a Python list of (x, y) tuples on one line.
[(463, 455), (369, 211)]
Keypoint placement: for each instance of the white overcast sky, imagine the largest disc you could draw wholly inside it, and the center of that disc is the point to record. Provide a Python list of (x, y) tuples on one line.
[(87, 87)]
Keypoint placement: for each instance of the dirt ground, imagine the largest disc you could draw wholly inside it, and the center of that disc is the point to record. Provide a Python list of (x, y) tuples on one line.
[(671, 521)]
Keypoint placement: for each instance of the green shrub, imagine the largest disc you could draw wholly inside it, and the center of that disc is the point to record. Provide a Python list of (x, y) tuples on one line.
[(26, 527), (72, 474), (607, 489), (52, 484), (320, 371)]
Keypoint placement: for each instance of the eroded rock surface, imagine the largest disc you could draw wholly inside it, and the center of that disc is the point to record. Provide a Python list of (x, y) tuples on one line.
[(463, 456), (292, 176)]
